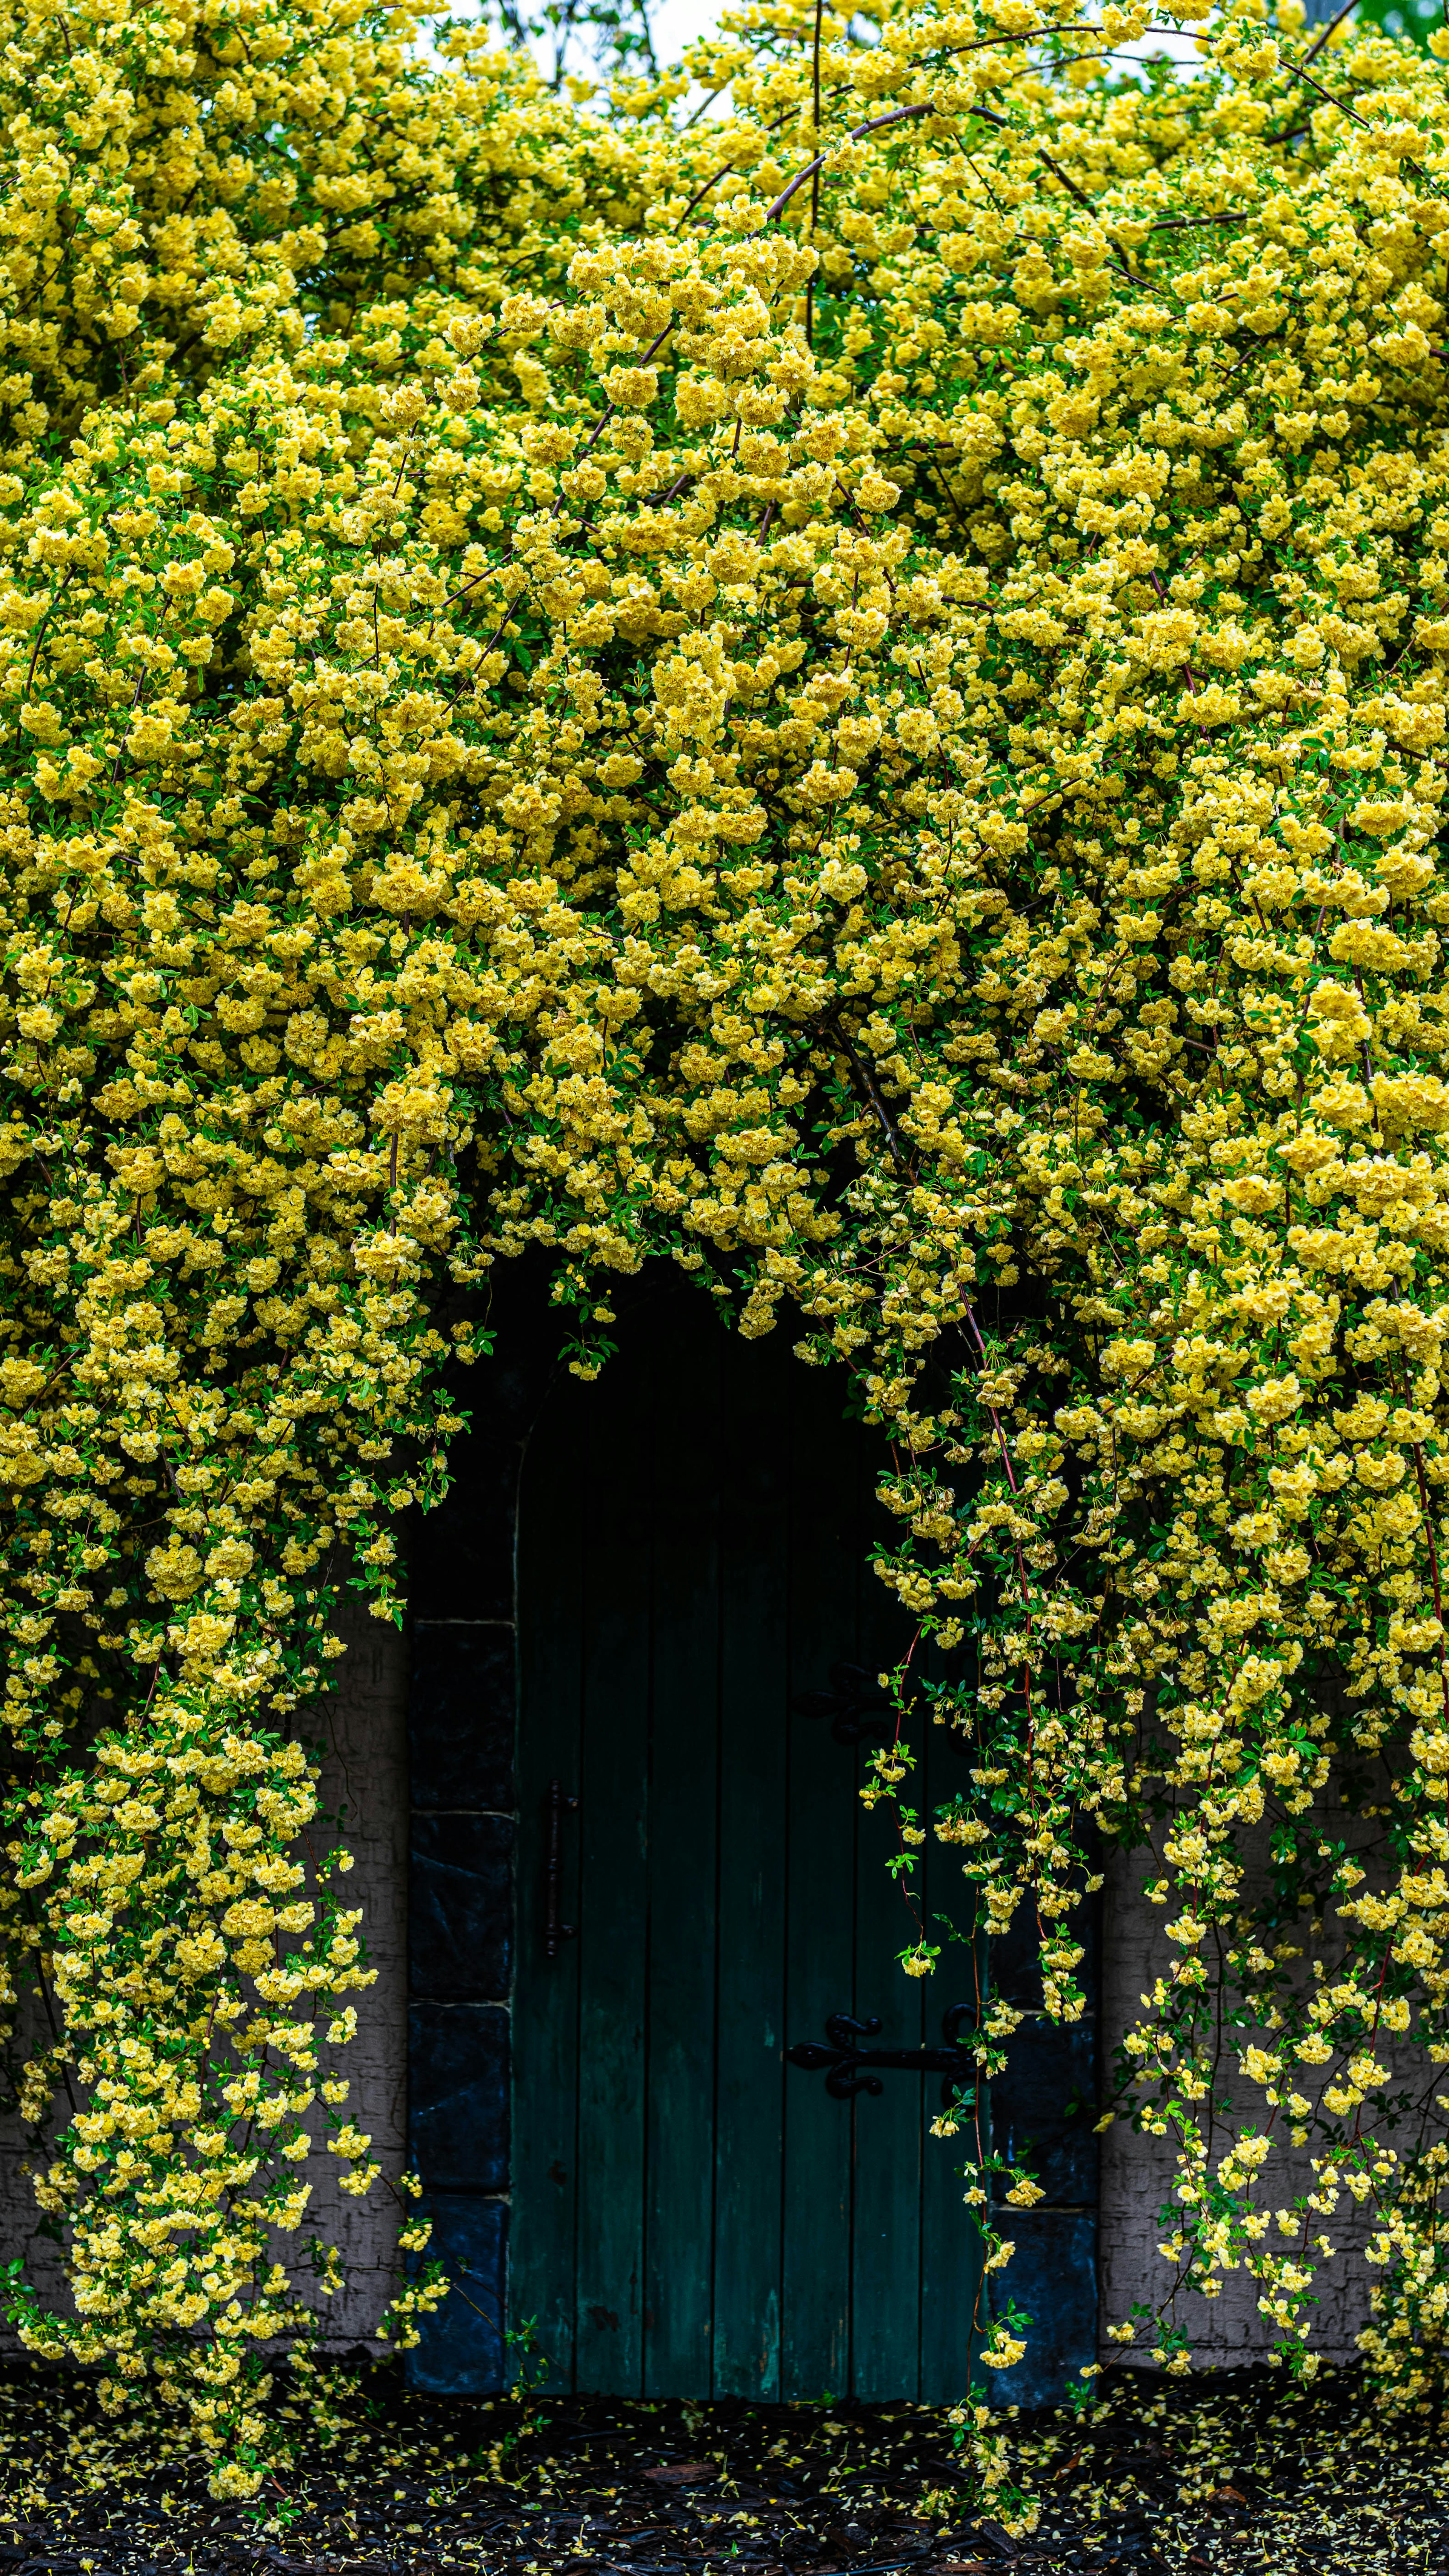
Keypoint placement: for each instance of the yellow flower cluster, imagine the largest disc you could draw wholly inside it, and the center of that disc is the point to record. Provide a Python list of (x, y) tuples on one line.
[(853, 694)]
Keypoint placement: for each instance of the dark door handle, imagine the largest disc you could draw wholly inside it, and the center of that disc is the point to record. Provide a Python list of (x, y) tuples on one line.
[(553, 1931), (843, 2058)]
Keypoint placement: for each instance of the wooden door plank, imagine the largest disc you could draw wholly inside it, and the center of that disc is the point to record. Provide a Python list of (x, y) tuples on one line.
[(823, 1571), (889, 2131), (684, 1614), (754, 1695), (836, 2254), (545, 2163), (950, 2238), (613, 1896)]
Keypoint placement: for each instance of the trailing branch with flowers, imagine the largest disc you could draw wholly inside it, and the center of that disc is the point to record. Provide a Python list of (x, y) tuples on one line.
[(851, 694)]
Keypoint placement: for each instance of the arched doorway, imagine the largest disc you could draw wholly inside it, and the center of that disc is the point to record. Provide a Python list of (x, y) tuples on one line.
[(693, 2214), (615, 2144)]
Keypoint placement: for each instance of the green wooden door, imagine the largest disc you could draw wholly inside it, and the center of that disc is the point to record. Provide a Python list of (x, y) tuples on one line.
[(694, 2215)]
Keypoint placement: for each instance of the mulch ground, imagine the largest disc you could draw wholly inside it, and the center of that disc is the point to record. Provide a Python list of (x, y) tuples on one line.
[(1227, 2473)]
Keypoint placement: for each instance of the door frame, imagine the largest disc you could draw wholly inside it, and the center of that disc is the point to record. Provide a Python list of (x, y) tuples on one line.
[(464, 1929)]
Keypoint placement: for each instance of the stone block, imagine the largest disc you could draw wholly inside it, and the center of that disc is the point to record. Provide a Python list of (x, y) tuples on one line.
[(1052, 2276), (460, 1908), (458, 2079), (462, 2352), (461, 1714), (461, 1554), (1044, 2110)]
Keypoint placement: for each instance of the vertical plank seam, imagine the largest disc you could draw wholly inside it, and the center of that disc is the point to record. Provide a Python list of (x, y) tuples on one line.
[(651, 1719), (722, 1598), (581, 1738), (787, 1526)]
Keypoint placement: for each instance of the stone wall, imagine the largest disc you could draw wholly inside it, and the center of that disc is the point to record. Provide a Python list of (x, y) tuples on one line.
[(419, 1732), (363, 1725), (1138, 2173), (463, 1717), (462, 1724), (365, 1778)]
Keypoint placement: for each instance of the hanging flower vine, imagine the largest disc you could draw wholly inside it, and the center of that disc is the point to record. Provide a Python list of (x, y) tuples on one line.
[(852, 695)]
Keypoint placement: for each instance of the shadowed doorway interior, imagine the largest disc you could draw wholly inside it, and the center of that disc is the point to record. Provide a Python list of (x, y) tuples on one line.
[(701, 1889)]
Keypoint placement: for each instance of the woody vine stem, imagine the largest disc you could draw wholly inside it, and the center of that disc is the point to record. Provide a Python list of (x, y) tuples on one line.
[(856, 702)]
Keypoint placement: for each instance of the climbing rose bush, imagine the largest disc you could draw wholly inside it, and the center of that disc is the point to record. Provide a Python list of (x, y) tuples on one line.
[(849, 692)]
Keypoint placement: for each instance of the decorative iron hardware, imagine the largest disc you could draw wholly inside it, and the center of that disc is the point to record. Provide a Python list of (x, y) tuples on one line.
[(854, 1702), (553, 1931), (844, 2059)]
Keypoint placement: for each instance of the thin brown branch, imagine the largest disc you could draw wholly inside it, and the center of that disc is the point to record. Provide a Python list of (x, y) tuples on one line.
[(1324, 33), (863, 1075)]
